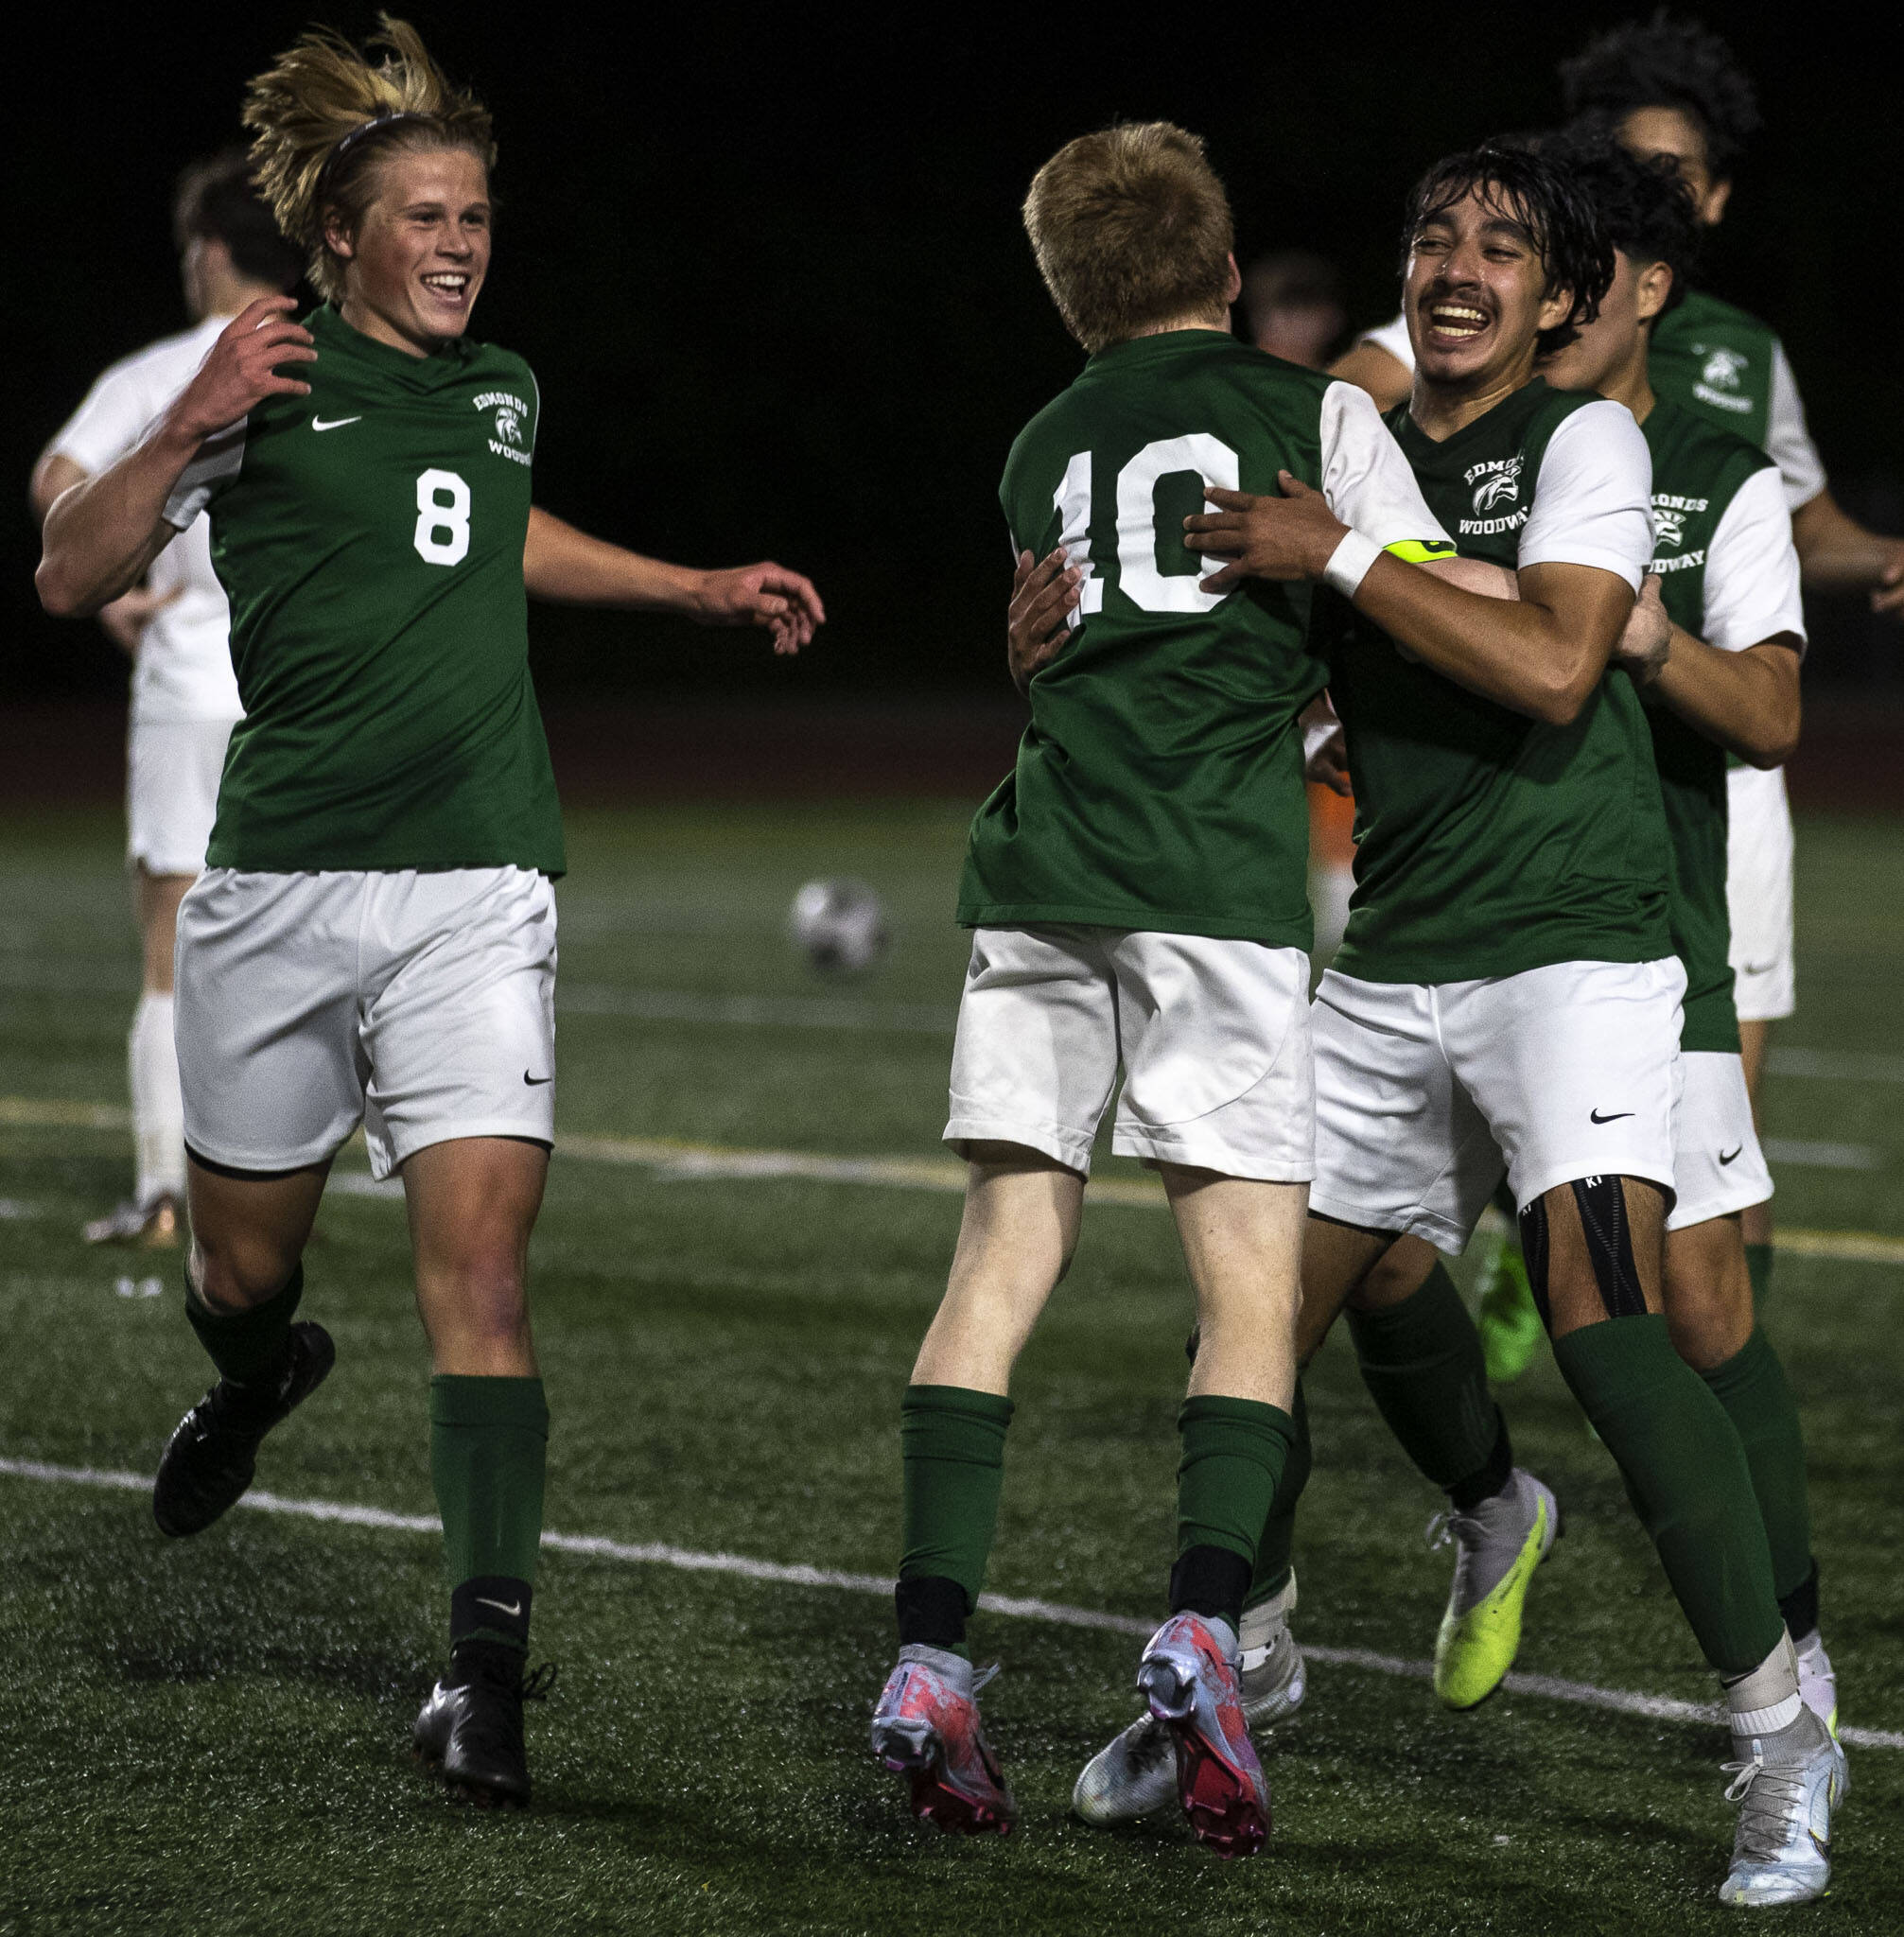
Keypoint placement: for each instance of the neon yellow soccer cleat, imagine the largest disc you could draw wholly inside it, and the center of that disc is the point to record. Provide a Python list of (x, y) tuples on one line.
[(1509, 1321), (1497, 1546)]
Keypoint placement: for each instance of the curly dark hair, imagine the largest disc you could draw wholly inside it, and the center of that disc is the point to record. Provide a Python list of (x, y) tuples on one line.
[(1559, 213), (1644, 203), (1667, 61)]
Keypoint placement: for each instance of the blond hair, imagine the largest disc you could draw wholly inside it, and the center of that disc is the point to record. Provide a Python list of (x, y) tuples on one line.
[(323, 116), (1131, 228)]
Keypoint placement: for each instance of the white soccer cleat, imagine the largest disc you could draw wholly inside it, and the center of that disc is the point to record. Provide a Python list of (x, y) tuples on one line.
[(1135, 1774), (1786, 1786), (1818, 1680)]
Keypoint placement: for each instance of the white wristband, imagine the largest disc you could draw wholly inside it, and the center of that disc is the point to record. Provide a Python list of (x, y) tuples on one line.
[(1350, 562)]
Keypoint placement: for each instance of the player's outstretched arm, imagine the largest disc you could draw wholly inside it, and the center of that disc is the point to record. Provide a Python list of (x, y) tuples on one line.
[(1541, 654), (1746, 702), (102, 533), (568, 567), (1838, 555), (1370, 367)]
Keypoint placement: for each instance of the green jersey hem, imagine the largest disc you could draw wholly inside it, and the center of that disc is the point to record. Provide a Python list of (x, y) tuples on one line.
[(1136, 920)]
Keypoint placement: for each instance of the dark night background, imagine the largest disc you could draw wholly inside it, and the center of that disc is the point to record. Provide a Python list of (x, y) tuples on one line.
[(769, 269)]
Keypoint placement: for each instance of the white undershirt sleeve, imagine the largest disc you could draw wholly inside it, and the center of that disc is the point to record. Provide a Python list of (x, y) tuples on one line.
[(217, 462), (1366, 480), (1593, 499), (1788, 442), (1752, 569), (1393, 338)]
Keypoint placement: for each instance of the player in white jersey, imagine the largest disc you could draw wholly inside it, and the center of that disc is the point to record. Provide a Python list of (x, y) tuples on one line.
[(176, 630)]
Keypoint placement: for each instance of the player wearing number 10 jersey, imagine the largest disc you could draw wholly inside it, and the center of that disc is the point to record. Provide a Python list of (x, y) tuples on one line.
[(1137, 894), (375, 937)]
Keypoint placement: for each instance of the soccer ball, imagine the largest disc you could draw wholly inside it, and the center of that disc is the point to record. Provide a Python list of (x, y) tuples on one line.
[(840, 925)]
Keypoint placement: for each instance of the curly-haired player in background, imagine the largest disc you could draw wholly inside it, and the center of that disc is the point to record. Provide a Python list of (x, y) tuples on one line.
[(374, 935)]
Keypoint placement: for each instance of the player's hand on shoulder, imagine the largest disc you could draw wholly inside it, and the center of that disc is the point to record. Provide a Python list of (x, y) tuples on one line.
[(1643, 645), (242, 368), (780, 602), (1292, 536), (126, 618), (1044, 593)]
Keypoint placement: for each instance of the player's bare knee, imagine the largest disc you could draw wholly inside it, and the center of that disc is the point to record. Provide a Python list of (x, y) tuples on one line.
[(1397, 1275), (238, 1273)]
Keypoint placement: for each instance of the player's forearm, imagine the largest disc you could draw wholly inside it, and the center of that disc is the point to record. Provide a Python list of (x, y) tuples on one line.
[(1521, 655), (101, 535), (570, 567), (1835, 552), (1747, 702)]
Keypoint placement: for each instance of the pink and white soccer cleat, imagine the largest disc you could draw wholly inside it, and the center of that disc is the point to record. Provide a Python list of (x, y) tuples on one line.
[(926, 1727), (1189, 1676)]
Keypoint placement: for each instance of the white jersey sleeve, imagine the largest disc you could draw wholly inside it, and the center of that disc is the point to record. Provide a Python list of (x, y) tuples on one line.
[(1752, 569), (219, 460), (1788, 442), (1393, 338), (1593, 499), (111, 420), (1369, 483)]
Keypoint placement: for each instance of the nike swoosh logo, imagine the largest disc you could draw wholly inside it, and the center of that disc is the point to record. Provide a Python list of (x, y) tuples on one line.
[(1757, 967), (1726, 1157), (534, 1081), (335, 423), (1595, 1117), (503, 1607)]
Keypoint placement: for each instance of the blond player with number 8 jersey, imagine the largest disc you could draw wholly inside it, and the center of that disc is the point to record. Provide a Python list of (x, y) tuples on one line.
[(374, 938)]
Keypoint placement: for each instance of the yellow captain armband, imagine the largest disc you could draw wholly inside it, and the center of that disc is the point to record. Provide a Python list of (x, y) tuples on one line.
[(1420, 551)]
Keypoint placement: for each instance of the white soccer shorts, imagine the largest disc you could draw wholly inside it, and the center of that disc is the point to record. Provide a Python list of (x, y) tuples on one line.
[(423, 1005), (172, 773), (1718, 1167), (1422, 1091), (1759, 848), (1214, 1036)]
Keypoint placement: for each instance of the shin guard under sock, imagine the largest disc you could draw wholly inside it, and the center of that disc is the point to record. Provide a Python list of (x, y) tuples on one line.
[(1276, 1545), (1235, 1450), (1752, 1389), (488, 1449), (1423, 1363), (248, 1348), (1686, 1476), (951, 1443)]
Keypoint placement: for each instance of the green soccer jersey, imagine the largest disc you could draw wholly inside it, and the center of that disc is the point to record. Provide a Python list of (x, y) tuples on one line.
[(369, 539), (1727, 574), (1489, 843), (1729, 368), (1160, 784)]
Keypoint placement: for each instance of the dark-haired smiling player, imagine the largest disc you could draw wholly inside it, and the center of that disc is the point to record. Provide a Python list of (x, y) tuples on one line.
[(1507, 989)]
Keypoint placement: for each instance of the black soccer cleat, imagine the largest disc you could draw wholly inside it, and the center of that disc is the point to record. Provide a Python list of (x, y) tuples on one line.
[(211, 1456), (470, 1730)]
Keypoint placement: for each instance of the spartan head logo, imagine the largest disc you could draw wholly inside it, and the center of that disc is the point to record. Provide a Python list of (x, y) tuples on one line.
[(1668, 527), (508, 424), (1724, 368), (1499, 487)]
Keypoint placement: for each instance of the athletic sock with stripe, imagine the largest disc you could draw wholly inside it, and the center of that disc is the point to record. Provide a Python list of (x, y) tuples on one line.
[(488, 1449)]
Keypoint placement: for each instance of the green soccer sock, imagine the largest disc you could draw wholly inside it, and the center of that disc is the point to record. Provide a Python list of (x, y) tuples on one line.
[(247, 1347), (1758, 1268), (1276, 1545), (1757, 1399), (1235, 1450), (1686, 1476), (952, 1444), (488, 1449), (1423, 1363)]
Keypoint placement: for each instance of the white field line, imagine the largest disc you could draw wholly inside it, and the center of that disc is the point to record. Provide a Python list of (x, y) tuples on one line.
[(676, 1160), (781, 1573)]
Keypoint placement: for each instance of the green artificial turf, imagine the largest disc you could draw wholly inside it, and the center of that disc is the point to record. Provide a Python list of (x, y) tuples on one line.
[(210, 1736)]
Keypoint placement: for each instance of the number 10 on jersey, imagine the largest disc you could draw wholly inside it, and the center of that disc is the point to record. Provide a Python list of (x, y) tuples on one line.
[(1139, 534)]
